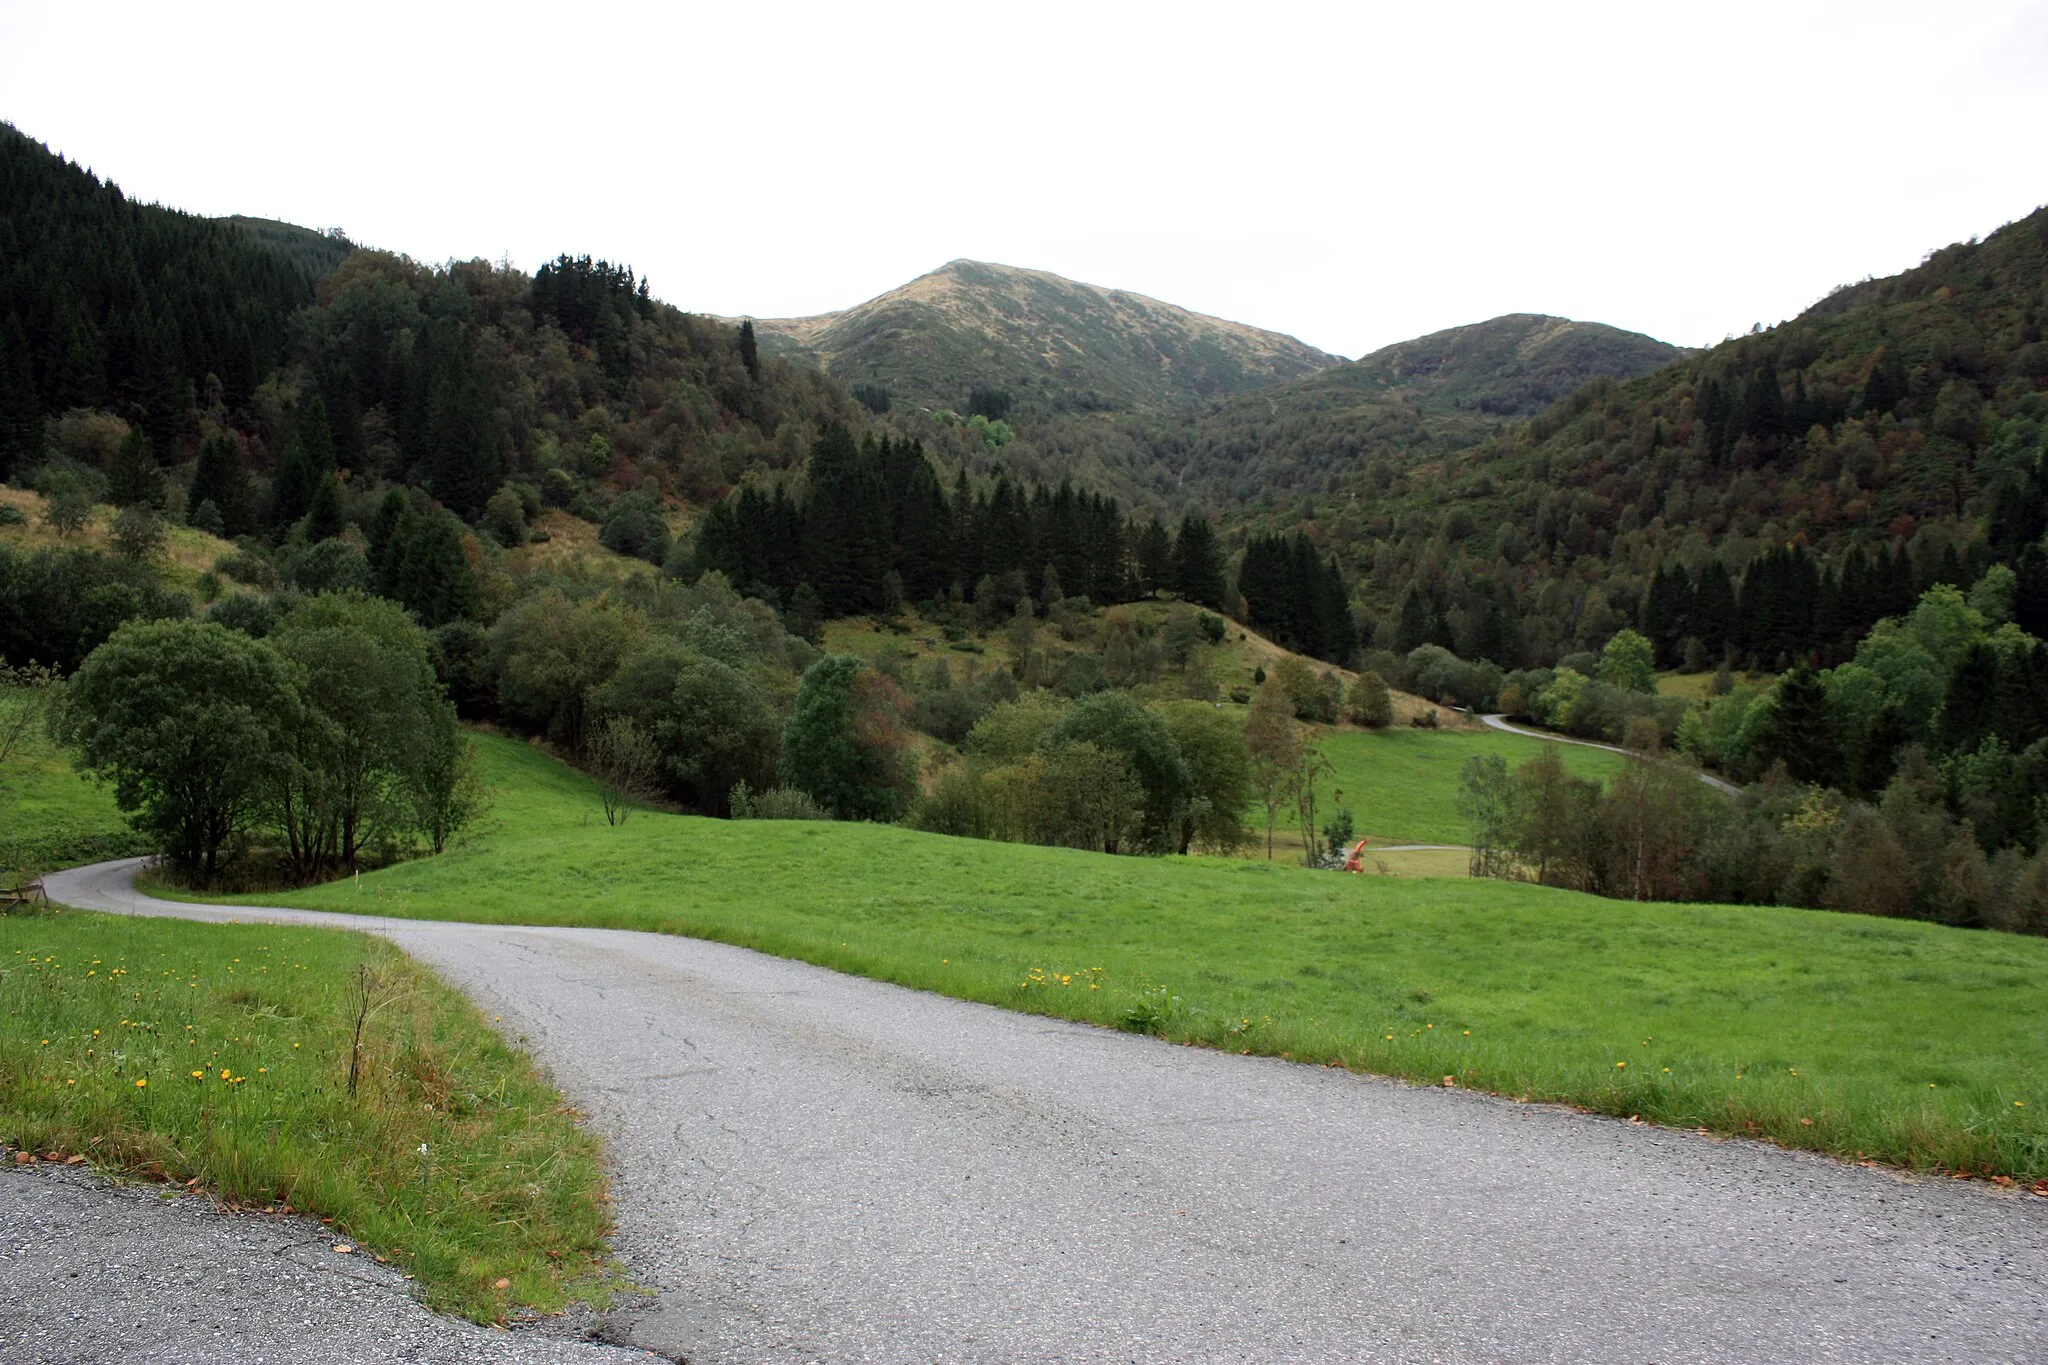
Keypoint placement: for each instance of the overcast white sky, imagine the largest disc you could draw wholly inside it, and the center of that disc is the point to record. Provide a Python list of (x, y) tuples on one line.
[(1354, 174)]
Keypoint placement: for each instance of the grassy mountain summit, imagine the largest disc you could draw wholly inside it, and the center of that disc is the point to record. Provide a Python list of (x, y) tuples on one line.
[(1409, 401), (1052, 343)]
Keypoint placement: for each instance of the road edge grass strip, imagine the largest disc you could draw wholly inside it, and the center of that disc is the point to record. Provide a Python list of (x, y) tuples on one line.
[(217, 1057)]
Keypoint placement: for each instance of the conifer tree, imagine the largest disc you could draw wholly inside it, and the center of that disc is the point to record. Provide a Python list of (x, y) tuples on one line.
[(221, 480), (136, 479), (291, 487), (323, 515), (750, 350), (1198, 562)]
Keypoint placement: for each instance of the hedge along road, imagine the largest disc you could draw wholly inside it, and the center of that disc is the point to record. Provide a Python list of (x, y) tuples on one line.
[(816, 1166), (1499, 722)]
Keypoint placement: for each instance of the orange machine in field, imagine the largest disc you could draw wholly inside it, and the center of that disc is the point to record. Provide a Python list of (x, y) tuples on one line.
[(1356, 862)]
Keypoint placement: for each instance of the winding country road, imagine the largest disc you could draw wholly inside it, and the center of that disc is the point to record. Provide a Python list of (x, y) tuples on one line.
[(1499, 722), (812, 1166)]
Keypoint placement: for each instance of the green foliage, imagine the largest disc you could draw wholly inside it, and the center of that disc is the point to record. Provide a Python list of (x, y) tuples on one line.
[(1116, 724), (504, 519), (139, 534), (549, 652), (368, 710), (185, 720), (1628, 662), (1370, 703), (1211, 742), (711, 724), (634, 527), (831, 748)]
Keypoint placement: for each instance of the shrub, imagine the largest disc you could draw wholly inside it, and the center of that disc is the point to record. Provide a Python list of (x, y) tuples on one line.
[(1370, 703), (776, 803), (635, 528)]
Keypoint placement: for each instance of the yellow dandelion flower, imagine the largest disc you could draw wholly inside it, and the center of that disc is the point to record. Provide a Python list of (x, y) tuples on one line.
[(1620, 1064), (141, 1082), (224, 1073), (199, 1075)]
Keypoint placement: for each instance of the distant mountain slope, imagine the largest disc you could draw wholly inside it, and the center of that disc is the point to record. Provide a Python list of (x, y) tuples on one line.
[(1054, 344), (1407, 401)]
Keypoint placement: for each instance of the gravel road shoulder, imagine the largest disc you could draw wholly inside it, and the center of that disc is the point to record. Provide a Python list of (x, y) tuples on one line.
[(97, 1271)]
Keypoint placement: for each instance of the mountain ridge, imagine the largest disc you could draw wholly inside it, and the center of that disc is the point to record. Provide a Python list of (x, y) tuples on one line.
[(1055, 344)]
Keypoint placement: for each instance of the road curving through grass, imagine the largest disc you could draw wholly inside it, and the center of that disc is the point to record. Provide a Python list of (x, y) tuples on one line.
[(1901, 1042)]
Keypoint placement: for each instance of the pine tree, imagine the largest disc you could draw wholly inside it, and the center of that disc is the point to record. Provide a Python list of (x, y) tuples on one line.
[(21, 417), (1800, 731), (1198, 562), (433, 577), (750, 351), (292, 485)]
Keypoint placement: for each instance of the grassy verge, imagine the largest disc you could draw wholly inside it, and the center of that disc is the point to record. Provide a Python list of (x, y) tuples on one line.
[(220, 1054), (1904, 1042)]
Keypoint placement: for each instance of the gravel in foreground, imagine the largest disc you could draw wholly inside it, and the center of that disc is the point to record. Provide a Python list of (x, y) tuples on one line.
[(100, 1272)]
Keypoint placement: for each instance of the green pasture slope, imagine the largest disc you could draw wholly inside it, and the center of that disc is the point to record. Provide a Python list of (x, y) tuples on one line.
[(50, 817), (1907, 1042), (1401, 785)]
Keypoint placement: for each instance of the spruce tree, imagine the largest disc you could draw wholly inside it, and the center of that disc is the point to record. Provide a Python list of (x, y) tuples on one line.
[(323, 515), (1198, 562), (1800, 731), (292, 485), (221, 480), (136, 479), (750, 351)]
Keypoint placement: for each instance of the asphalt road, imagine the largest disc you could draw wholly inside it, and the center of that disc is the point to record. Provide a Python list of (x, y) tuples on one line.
[(818, 1167)]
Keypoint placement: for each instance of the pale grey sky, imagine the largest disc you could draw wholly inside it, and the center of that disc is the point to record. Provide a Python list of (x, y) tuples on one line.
[(1354, 174)]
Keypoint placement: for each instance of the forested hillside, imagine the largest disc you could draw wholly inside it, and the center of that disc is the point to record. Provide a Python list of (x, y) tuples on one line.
[(1401, 405), (1801, 481), (106, 303)]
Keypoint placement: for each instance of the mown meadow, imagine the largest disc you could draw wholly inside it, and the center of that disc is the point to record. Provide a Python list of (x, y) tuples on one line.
[(221, 1055), (1890, 1040)]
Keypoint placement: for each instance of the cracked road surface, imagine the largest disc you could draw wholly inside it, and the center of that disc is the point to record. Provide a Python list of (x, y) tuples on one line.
[(811, 1166)]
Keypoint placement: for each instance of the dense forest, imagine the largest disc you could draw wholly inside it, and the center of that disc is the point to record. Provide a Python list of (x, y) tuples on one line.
[(106, 303)]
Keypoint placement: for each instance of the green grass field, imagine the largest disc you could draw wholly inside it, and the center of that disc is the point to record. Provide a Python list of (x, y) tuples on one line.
[(51, 817), (1906, 1042), (220, 1054), (1402, 784)]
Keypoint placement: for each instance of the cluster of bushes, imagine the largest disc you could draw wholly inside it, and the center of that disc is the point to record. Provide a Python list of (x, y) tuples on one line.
[(331, 739), (1656, 833), (1105, 772)]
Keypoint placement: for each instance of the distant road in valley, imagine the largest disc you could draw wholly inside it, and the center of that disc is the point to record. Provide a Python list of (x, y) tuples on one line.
[(809, 1166), (1500, 722)]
